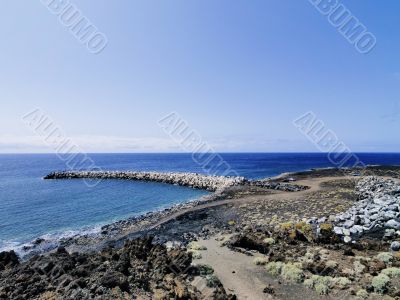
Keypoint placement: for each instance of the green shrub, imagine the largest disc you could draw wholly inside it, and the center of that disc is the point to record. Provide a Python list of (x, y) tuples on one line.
[(321, 284), (274, 268), (260, 261), (386, 257), (205, 269), (292, 273), (321, 289), (341, 282), (362, 294), (212, 281), (195, 254), (380, 283), (196, 246), (269, 241), (309, 283), (392, 272)]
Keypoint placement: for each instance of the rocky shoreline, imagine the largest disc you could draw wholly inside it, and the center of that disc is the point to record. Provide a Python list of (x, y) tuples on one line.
[(260, 217), (110, 233), (138, 270)]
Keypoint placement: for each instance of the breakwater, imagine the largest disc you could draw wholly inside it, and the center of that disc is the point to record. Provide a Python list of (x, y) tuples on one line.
[(193, 180)]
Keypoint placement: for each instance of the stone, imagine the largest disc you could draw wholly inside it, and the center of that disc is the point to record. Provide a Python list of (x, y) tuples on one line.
[(346, 232), (392, 224), (395, 246), (348, 224), (347, 239), (8, 259), (338, 230), (390, 233), (374, 216), (353, 230)]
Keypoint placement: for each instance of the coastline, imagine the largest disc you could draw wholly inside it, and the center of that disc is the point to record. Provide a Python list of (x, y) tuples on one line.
[(93, 237), (96, 237), (267, 230)]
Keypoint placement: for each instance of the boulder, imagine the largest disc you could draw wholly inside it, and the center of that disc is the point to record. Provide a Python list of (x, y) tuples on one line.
[(8, 260), (392, 224), (395, 246)]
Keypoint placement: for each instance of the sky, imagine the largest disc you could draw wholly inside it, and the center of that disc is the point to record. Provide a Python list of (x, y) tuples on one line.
[(238, 72)]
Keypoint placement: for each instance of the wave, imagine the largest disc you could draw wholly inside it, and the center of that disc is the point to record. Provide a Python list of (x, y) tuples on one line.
[(47, 242)]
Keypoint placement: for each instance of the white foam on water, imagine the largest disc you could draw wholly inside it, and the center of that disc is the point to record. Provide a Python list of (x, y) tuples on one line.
[(50, 241)]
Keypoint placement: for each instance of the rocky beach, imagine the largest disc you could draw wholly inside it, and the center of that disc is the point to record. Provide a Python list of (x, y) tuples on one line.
[(319, 234)]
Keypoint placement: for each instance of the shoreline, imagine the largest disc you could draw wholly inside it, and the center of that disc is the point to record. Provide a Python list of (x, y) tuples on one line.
[(278, 235), (96, 237), (97, 234)]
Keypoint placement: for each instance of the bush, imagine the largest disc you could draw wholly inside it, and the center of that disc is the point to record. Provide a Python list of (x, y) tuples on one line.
[(195, 254), (292, 273), (204, 269), (196, 246), (260, 261), (286, 226), (212, 281), (341, 282), (321, 289), (321, 284), (331, 264), (386, 257), (274, 268), (269, 241), (309, 283), (392, 272), (362, 294), (380, 283)]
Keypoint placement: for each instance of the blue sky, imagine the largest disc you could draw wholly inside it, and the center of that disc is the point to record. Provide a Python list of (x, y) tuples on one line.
[(238, 71)]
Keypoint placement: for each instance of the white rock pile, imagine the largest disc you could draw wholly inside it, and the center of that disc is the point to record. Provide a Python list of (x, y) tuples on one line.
[(378, 208), (194, 180)]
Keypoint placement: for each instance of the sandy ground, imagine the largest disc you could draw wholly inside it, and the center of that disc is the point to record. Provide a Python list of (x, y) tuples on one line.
[(242, 277)]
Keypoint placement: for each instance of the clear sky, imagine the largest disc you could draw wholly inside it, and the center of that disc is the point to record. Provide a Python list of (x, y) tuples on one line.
[(238, 71)]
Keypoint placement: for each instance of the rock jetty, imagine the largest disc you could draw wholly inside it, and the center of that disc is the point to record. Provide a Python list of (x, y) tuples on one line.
[(378, 209), (193, 180)]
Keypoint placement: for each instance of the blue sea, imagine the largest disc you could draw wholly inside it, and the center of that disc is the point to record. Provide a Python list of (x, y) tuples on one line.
[(31, 207)]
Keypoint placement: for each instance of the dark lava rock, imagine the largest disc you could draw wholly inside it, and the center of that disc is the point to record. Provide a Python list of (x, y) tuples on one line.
[(138, 268), (269, 290), (112, 279), (38, 241), (250, 241), (8, 260)]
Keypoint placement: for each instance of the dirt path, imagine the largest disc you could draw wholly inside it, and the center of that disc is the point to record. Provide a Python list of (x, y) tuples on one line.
[(240, 276)]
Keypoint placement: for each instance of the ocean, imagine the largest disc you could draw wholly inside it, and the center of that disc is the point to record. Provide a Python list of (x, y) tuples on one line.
[(31, 207)]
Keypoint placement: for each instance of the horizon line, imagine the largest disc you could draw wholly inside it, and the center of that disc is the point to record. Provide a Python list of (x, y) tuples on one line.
[(217, 152)]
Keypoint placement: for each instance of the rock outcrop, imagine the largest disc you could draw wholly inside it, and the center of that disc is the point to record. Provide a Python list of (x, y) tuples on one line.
[(281, 186), (138, 269)]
